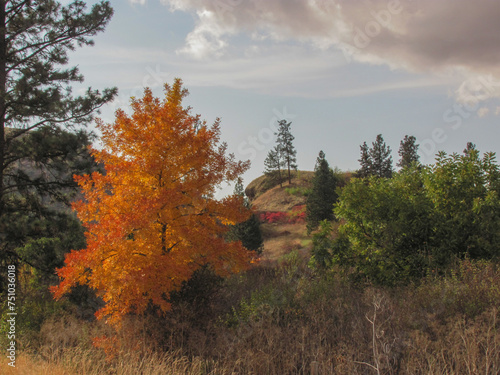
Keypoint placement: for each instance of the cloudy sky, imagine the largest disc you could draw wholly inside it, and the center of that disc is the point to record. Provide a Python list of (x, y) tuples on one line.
[(342, 71)]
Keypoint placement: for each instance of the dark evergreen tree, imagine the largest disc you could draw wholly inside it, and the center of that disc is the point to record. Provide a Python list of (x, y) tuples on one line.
[(365, 162), (376, 161), (287, 151), (250, 235), (248, 232), (37, 156), (408, 152), (381, 158), (273, 165), (323, 194)]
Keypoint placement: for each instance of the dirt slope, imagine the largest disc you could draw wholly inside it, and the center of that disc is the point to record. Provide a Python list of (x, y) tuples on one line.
[(281, 238)]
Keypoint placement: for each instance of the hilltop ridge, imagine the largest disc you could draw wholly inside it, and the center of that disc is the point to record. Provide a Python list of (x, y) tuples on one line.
[(266, 195)]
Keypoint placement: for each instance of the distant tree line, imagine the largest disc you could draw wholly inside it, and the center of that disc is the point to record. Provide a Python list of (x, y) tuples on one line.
[(377, 160)]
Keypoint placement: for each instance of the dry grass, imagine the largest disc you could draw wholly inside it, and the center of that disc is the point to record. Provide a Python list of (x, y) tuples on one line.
[(81, 361), (461, 347), (28, 365), (279, 199), (281, 239), (325, 345), (289, 320)]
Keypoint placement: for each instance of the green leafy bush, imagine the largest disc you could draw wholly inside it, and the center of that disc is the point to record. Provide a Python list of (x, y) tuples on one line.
[(422, 218)]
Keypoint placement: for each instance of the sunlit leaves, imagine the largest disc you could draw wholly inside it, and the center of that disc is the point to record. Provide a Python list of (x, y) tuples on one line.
[(152, 219)]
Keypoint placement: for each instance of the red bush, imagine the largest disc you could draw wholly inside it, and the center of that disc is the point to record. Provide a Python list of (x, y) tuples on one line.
[(296, 215)]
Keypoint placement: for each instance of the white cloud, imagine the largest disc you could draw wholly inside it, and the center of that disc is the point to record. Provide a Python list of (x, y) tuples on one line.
[(421, 35), (483, 111), (478, 88), (206, 39)]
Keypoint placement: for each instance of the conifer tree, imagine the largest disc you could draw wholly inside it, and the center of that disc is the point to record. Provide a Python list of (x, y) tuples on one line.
[(286, 148), (376, 161), (41, 136), (380, 155), (248, 232), (408, 152), (273, 165), (365, 162), (323, 194)]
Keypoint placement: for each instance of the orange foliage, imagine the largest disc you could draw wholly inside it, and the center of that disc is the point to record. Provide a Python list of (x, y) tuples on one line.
[(152, 219)]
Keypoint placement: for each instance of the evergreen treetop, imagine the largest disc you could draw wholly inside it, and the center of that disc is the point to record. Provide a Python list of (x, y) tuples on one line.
[(408, 152), (376, 161), (381, 158), (273, 165), (365, 161)]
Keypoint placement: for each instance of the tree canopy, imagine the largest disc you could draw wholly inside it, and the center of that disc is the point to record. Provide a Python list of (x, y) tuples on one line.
[(152, 219), (408, 151), (273, 165), (286, 148)]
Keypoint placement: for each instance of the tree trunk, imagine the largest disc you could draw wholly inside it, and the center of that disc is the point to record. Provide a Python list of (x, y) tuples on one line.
[(289, 176), (3, 83), (279, 175), (278, 154)]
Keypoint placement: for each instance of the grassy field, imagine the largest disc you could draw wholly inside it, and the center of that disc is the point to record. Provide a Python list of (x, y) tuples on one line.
[(281, 239)]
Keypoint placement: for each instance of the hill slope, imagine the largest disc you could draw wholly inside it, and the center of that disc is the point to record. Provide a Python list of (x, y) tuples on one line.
[(265, 196), (281, 237)]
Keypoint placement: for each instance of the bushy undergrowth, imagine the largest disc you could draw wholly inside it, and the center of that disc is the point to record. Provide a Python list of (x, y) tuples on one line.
[(296, 215), (292, 319)]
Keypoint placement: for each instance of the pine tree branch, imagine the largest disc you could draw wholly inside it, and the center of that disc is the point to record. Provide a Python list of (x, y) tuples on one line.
[(56, 121), (63, 38), (13, 12)]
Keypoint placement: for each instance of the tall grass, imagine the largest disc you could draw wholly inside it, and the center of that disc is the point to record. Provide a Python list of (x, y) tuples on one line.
[(291, 320)]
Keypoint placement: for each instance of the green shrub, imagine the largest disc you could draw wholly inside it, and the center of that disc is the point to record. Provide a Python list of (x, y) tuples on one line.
[(421, 218)]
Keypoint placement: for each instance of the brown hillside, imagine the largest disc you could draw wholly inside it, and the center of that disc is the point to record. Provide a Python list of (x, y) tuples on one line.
[(266, 197), (281, 238)]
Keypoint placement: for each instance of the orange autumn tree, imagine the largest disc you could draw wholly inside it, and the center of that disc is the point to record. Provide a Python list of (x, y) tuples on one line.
[(152, 219)]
